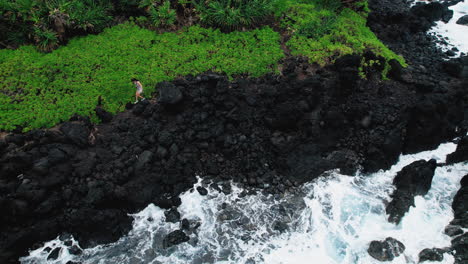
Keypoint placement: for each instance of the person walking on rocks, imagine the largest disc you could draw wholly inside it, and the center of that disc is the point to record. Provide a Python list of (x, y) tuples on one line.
[(139, 90)]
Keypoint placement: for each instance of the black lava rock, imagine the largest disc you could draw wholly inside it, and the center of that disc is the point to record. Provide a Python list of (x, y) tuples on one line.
[(172, 215), (461, 153), (175, 238), (386, 250), (414, 179), (431, 254), (463, 20), (202, 191), (169, 93), (76, 133)]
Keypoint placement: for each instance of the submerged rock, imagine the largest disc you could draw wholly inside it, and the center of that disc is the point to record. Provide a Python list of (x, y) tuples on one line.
[(463, 20), (414, 179), (175, 238), (431, 254), (460, 204), (172, 215), (461, 153), (386, 250)]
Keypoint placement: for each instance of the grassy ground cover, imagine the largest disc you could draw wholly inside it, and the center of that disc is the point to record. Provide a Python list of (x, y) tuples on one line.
[(40, 90)]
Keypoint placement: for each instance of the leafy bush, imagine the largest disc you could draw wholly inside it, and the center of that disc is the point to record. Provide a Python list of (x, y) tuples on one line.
[(323, 35), (47, 22), (232, 14), (162, 15), (40, 90)]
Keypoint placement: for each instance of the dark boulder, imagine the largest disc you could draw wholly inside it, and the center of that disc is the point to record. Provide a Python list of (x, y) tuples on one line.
[(414, 179), (202, 190), (463, 20), (431, 254), (460, 204), (461, 153), (169, 94), (17, 139), (175, 238), (140, 107), (452, 230), (144, 158), (453, 68), (386, 250), (429, 124), (76, 133), (460, 249), (433, 11), (54, 254), (105, 116), (172, 215)]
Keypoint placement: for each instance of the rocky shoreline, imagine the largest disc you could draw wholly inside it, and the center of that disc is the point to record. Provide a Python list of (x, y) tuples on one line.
[(268, 134)]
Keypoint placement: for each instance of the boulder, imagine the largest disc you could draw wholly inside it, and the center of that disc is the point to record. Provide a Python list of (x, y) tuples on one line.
[(414, 179), (463, 20), (175, 238), (105, 116), (386, 250), (172, 215), (17, 139), (54, 254), (461, 153), (169, 94), (460, 204), (143, 159), (76, 133), (460, 249), (202, 191), (431, 254)]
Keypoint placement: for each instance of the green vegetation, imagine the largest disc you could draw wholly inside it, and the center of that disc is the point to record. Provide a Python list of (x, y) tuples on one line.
[(40, 90), (47, 22), (325, 30), (232, 14)]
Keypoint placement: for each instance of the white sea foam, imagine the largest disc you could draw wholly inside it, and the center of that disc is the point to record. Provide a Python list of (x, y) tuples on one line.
[(330, 220)]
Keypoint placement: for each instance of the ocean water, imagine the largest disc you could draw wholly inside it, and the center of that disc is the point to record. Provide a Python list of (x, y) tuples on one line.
[(330, 220)]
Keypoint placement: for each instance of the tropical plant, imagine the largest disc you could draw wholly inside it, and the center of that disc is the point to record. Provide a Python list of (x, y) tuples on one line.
[(162, 15), (233, 14), (47, 22)]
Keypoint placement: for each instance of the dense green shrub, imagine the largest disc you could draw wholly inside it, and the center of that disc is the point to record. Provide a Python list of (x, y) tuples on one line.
[(323, 35), (232, 14), (47, 22), (40, 90), (163, 15)]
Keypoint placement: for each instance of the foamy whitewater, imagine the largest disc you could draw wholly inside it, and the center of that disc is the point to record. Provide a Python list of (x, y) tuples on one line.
[(457, 35), (330, 220)]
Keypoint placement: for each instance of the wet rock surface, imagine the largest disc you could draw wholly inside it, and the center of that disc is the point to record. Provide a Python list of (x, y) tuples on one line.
[(461, 153), (414, 179), (175, 238), (431, 254), (460, 208), (386, 250), (273, 133)]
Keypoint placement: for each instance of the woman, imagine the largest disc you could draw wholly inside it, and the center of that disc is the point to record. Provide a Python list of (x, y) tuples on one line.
[(139, 90)]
